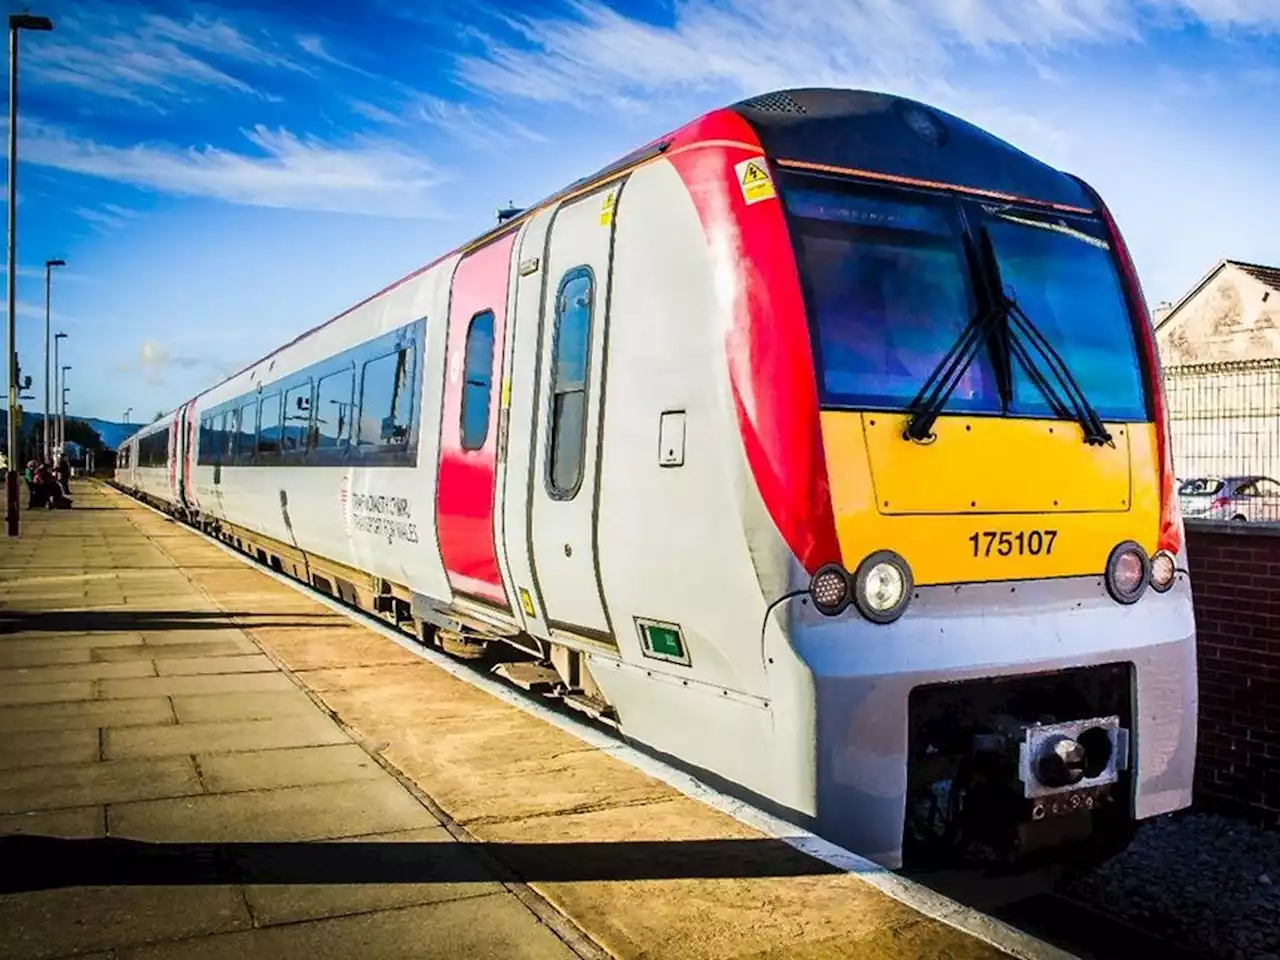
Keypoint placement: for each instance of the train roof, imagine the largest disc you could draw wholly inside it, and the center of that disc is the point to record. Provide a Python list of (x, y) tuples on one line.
[(878, 133), (840, 130)]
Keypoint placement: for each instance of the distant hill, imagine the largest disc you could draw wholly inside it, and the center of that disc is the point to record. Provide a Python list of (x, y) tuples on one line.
[(112, 433)]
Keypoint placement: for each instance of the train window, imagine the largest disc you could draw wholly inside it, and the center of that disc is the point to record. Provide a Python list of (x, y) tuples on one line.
[(477, 383), (386, 395), (571, 351), (297, 417), (888, 289), (226, 424), (333, 409), (1060, 271), (269, 424), (246, 432)]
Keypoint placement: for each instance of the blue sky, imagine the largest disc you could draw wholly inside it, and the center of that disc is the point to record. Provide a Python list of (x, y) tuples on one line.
[(220, 177)]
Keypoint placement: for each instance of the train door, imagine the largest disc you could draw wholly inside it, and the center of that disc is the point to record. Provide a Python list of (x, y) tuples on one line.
[(564, 470), (189, 460), (175, 455), (466, 481)]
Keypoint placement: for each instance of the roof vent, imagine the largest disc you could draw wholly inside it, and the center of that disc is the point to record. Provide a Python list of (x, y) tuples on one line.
[(509, 212), (775, 103)]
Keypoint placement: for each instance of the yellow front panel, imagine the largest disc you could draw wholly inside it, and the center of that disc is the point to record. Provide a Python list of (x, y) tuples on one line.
[(1013, 473), (966, 468)]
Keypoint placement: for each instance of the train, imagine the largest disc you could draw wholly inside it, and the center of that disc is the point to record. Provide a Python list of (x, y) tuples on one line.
[(818, 446)]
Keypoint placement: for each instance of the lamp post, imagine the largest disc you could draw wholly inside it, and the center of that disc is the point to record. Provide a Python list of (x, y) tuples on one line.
[(126, 416), (62, 420), (48, 288), (57, 379), (17, 22)]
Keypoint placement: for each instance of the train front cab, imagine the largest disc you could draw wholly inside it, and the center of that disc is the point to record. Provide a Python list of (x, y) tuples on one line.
[(1002, 648)]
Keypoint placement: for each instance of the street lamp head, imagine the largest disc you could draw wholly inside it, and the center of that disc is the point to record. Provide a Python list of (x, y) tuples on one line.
[(55, 263), (25, 21), (59, 336)]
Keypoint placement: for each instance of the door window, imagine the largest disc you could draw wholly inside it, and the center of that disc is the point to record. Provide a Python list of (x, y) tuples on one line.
[(567, 411)]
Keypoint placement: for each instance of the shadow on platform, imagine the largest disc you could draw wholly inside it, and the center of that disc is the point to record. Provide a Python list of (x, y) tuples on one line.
[(134, 621), (47, 863)]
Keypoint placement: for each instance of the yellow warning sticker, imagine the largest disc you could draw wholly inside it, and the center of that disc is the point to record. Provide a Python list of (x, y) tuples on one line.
[(526, 601), (606, 208), (754, 178)]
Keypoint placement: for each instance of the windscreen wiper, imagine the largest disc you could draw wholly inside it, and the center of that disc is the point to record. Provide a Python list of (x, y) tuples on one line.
[(937, 388), (1017, 325), (1005, 320)]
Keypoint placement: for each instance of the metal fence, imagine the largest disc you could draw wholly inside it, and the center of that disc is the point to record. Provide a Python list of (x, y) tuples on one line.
[(1224, 421)]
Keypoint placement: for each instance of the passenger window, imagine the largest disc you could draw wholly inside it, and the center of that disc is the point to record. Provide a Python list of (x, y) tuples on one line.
[(333, 409), (297, 417), (246, 431), (568, 409), (477, 381), (269, 424), (222, 442), (385, 395)]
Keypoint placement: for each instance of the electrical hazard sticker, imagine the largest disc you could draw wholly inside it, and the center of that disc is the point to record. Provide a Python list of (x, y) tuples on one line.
[(526, 602), (754, 178), (606, 208)]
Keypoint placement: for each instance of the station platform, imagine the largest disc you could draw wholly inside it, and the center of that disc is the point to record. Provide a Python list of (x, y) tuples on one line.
[(198, 761)]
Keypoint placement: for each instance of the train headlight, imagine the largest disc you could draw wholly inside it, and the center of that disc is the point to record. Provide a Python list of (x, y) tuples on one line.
[(830, 590), (1128, 572), (882, 586), (1163, 568)]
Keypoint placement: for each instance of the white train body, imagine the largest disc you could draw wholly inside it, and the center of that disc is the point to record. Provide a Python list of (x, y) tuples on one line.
[(633, 522)]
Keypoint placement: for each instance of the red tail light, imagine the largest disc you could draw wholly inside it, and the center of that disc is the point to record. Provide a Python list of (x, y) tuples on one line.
[(1219, 502), (1170, 537)]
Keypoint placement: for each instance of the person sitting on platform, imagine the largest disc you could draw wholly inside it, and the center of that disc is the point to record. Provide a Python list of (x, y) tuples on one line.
[(45, 488)]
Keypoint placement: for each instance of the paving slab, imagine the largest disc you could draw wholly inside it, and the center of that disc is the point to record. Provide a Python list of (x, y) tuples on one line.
[(494, 927), (315, 812), (178, 686), (86, 714), (48, 747), (76, 822), (272, 769), (184, 739), (271, 704), (104, 781), (57, 923)]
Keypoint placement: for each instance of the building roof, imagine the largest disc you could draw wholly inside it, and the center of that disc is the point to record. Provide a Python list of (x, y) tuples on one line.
[(1270, 276)]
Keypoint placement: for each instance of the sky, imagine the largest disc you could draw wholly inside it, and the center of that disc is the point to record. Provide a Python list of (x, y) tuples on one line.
[(221, 177)]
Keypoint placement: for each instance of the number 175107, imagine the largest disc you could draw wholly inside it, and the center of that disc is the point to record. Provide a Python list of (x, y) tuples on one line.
[(1005, 543)]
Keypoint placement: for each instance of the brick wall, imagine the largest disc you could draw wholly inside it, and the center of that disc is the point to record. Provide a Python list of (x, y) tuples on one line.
[(1235, 577)]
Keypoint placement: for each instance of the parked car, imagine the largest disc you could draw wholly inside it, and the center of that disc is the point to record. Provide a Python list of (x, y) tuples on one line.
[(1254, 499)]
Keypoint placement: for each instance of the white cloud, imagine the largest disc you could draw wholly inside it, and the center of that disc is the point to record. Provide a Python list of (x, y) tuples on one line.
[(154, 361), (478, 128), (109, 217), (377, 114), (147, 59), (597, 55), (215, 36), (316, 47), (288, 171)]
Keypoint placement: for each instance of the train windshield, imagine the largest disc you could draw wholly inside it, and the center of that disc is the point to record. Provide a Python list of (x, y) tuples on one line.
[(891, 288)]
